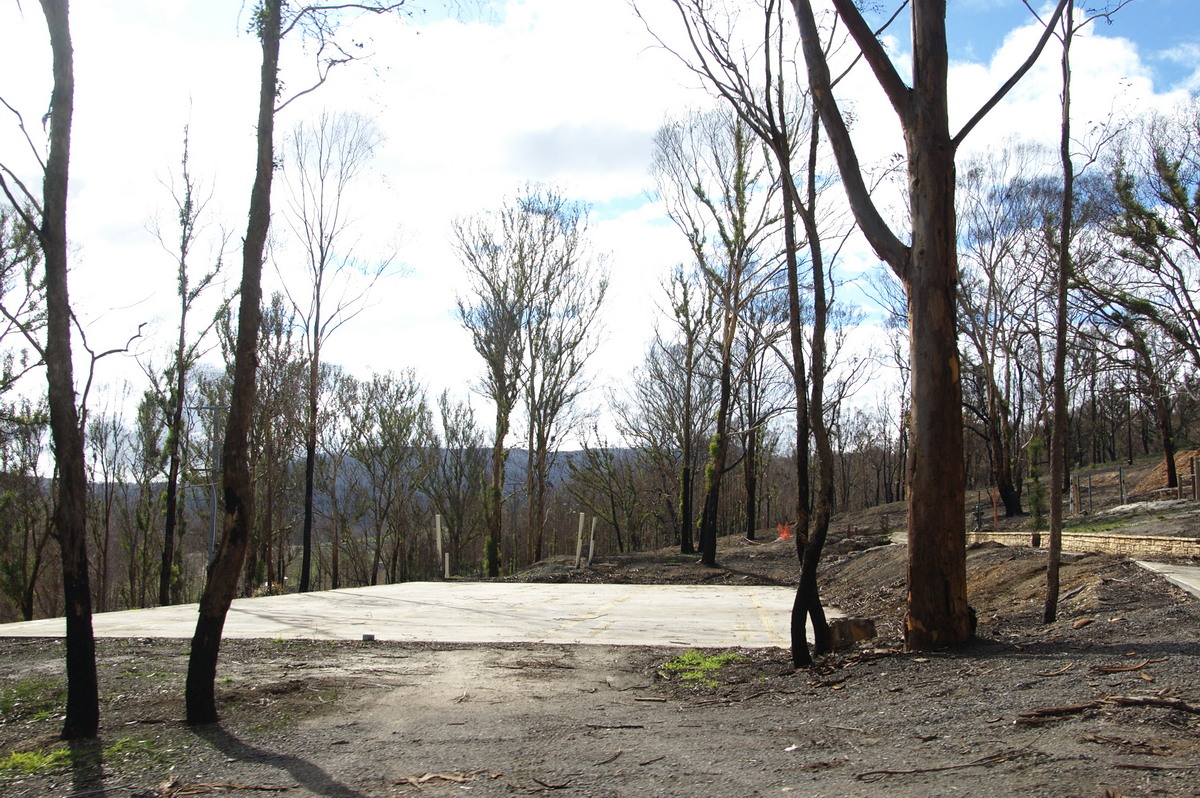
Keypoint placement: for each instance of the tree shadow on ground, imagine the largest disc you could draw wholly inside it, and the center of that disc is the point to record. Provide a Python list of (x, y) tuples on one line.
[(87, 765), (308, 774)]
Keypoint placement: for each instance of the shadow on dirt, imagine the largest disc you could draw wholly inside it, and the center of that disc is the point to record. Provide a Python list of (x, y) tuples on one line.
[(307, 774)]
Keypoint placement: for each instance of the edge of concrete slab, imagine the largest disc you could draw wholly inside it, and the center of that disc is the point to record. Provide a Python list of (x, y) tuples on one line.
[(1182, 576)]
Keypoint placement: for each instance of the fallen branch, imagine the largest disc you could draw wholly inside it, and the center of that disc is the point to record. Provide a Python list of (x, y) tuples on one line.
[(872, 776), (1125, 668), (1153, 701), (457, 778), (615, 726), (1056, 712), (1140, 766), (173, 789)]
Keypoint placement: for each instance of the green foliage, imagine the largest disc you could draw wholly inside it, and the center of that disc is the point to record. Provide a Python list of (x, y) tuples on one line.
[(710, 468), (695, 666), (32, 698), (491, 556), (1037, 490)]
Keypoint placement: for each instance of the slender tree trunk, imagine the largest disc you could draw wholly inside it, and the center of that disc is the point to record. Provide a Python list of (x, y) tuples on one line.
[(495, 504), (1058, 432), (805, 593), (685, 503), (335, 533), (238, 492), (310, 454), (715, 467), (174, 432), (808, 597), (70, 509), (533, 548), (750, 473)]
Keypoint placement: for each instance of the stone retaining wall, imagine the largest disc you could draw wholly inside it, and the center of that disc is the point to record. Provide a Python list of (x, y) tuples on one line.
[(1138, 546)]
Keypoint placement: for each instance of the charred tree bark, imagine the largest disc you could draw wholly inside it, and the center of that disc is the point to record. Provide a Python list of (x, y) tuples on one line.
[(70, 509), (310, 454), (808, 597), (938, 614), (223, 575)]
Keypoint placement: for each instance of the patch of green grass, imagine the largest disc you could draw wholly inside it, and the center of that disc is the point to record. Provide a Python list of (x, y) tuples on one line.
[(274, 721), (694, 666), (133, 748), (25, 763), (32, 698)]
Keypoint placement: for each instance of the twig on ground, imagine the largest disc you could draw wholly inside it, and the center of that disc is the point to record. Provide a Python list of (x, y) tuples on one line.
[(1153, 701), (1125, 668), (871, 776), (549, 786), (1058, 672), (610, 759)]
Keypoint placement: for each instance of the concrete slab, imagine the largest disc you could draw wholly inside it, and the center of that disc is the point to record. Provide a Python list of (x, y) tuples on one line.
[(480, 612), (1184, 576)]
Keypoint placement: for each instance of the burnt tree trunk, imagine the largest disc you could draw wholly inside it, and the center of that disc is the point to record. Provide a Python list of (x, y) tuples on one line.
[(938, 614), (310, 454), (200, 696), (70, 507)]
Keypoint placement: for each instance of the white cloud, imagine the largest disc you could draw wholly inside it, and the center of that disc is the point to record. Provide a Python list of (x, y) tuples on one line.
[(566, 91)]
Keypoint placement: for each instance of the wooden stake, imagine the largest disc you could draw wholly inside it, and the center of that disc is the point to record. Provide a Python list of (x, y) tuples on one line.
[(592, 542), (579, 542)]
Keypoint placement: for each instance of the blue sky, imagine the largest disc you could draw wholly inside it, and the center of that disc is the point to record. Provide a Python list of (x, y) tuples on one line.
[(472, 105)]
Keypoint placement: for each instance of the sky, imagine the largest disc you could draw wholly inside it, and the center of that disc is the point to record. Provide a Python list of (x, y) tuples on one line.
[(473, 104)]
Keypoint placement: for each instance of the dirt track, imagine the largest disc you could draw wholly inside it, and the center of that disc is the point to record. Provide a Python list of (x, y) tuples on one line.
[(359, 719)]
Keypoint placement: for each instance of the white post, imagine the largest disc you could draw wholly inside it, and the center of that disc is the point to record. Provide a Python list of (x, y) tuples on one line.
[(446, 573), (592, 542), (579, 542), (437, 525)]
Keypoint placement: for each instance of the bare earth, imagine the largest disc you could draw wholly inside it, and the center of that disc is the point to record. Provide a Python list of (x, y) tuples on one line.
[(1105, 702)]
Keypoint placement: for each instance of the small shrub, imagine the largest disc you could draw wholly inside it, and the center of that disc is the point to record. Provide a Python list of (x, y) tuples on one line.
[(694, 666), (25, 763)]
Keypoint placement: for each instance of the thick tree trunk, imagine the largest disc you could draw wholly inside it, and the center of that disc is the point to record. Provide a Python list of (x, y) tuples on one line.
[(70, 510), (938, 615), (1002, 466), (238, 495)]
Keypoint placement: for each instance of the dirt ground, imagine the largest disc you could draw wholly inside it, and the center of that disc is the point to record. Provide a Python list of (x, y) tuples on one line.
[(1104, 702)]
